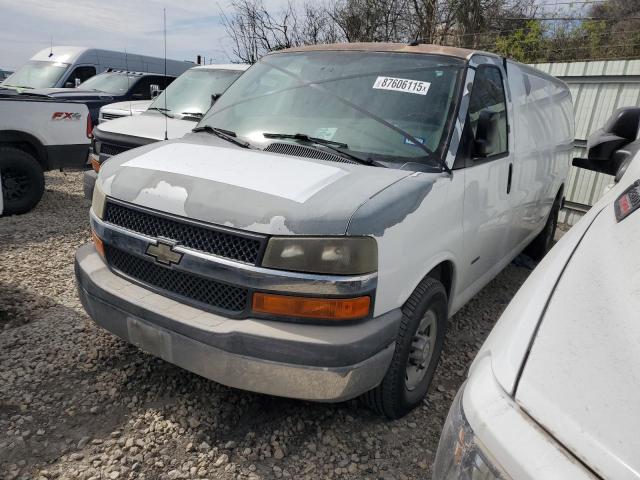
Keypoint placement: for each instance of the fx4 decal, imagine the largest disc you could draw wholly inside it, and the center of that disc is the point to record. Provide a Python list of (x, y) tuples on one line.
[(66, 116)]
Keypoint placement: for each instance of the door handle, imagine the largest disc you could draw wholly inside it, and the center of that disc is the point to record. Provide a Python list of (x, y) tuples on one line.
[(509, 178)]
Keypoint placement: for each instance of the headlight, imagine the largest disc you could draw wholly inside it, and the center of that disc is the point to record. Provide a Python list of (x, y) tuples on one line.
[(459, 455), (333, 256), (99, 200)]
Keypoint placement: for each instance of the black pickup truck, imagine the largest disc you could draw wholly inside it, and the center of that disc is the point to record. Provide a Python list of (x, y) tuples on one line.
[(109, 87)]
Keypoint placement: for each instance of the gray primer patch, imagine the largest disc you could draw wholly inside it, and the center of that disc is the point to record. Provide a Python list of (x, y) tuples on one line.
[(392, 205), (327, 212)]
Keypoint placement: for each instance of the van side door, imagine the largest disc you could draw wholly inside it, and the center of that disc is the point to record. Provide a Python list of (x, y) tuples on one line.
[(488, 165)]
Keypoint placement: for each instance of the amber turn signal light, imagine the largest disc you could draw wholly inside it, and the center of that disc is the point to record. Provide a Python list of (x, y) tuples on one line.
[(304, 307), (95, 164), (97, 241)]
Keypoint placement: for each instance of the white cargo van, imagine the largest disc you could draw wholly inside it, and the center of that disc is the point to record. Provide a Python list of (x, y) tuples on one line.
[(327, 216), (67, 67), (553, 391)]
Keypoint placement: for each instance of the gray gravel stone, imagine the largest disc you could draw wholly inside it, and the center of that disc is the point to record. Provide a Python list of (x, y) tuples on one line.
[(80, 403)]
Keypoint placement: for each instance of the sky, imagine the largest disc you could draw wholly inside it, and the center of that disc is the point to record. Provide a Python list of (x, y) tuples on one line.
[(193, 27)]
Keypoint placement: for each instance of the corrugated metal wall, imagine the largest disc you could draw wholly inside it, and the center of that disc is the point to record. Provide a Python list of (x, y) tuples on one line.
[(598, 88)]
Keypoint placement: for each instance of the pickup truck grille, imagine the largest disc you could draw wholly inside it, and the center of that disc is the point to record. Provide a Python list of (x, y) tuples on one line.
[(208, 239), (182, 286), (111, 149)]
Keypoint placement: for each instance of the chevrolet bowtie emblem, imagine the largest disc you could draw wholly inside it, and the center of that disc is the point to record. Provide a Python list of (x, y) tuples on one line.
[(164, 253)]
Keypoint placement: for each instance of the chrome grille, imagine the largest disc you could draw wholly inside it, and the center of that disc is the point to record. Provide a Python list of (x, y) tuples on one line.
[(206, 292), (111, 149), (244, 248), (302, 151)]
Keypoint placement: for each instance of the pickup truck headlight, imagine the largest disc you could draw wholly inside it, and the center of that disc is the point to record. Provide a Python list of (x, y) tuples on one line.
[(324, 255), (459, 454), (99, 201)]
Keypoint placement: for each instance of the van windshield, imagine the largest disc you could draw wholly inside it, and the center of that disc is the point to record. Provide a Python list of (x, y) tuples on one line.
[(37, 74), (113, 83), (366, 101), (190, 94)]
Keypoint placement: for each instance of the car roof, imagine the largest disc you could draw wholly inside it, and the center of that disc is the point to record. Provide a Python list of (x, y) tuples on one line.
[(423, 48), (240, 67)]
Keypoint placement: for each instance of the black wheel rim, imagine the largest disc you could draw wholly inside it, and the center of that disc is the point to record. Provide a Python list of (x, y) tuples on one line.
[(15, 184)]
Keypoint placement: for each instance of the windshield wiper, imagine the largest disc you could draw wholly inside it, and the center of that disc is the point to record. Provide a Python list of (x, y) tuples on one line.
[(338, 147), (193, 114), (227, 135), (305, 138), (162, 111)]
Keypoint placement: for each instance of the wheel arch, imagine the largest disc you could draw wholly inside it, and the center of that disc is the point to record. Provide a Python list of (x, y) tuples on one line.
[(28, 143), (444, 272)]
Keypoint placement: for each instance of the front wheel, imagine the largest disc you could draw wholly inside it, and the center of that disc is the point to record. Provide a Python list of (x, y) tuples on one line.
[(22, 180), (418, 346)]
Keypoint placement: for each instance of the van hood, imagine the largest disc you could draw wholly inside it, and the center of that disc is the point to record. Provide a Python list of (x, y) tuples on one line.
[(205, 178), (581, 381), (149, 125)]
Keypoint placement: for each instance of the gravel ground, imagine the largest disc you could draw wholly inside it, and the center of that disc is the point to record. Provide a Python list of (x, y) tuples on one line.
[(76, 402)]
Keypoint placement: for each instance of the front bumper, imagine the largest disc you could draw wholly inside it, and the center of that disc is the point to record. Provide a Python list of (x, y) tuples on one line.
[(311, 362)]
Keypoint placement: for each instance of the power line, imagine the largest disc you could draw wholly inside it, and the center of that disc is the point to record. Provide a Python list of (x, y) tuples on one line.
[(525, 30), (570, 19)]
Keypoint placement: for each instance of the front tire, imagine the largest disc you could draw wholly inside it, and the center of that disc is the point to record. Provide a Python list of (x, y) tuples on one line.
[(419, 342), (22, 180)]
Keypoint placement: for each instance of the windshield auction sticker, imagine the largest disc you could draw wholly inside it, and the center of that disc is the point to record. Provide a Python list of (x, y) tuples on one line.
[(402, 85)]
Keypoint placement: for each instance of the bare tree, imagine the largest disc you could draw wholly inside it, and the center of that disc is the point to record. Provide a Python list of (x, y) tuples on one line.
[(255, 31)]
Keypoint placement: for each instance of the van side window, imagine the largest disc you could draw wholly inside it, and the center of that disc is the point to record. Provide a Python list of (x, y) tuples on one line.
[(82, 74), (487, 98)]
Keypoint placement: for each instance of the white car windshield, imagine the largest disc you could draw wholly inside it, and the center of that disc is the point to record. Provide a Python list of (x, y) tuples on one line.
[(375, 103), (191, 94), (37, 74), (113, 83)]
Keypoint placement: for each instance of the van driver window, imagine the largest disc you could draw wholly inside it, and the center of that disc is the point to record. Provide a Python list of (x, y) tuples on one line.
[(82, 73), (488, 95)]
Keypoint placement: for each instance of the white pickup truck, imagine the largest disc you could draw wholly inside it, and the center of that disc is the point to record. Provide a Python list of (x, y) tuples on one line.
[(36, 135), (329, 213)]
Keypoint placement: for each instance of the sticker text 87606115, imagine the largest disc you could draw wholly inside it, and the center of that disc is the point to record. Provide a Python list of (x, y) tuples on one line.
[(402, 85)]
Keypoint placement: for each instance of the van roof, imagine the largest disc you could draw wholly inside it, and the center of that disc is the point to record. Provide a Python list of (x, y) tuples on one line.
[(240, 67), (61, 53), (424, 48)]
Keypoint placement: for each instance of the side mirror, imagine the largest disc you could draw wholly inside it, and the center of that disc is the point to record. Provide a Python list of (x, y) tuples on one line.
[(603, 144), (215, 97), (154, 90), (77, 82), (484, 143)]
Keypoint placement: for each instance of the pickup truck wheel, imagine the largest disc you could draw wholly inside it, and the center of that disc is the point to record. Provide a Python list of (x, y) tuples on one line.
[(419, 343), (22, 180), (540, 245)]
